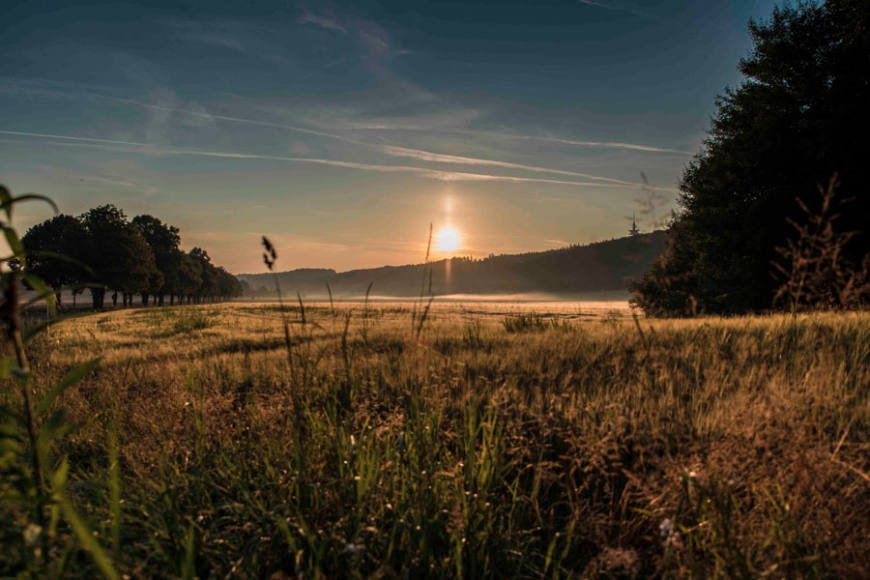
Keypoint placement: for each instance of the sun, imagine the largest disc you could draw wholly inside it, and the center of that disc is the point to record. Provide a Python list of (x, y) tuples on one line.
[(447, 239)]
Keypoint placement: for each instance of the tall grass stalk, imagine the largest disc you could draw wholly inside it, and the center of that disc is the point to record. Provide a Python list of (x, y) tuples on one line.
[(702, 448)]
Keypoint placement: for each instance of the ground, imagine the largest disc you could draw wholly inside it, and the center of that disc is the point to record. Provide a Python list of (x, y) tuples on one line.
[(462, 440)]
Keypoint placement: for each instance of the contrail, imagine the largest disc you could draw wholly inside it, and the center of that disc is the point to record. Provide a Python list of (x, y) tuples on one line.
[(245, 121), (439, 158), (608, 144), (402, 151), (74, 138), (422, 171)]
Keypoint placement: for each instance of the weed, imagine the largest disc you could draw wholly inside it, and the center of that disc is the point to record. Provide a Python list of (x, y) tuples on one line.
[(533, 322), (817, 272), (189, 320)]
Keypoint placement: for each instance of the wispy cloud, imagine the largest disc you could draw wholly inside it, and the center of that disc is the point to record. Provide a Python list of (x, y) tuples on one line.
[(149, 149), (618, 6), (211, 33), (372, 38), (424, 123), (407, 125), (49, 136), (205, 114), (439, 158), (107, 181), (604, 144), (321, 21)]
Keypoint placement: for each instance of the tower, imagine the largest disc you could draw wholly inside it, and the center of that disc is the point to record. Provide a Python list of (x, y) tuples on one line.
[(633, 231)]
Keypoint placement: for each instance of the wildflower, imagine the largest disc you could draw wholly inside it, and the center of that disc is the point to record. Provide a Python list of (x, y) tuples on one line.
[(353, 549), (672, 538), (666, 528)]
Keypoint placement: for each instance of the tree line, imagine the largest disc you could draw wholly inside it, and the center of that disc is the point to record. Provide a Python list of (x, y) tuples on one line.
[(750, 215), (105, 252)]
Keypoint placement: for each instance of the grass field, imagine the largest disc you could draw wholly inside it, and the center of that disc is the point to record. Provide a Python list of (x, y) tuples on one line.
[(486, 442)]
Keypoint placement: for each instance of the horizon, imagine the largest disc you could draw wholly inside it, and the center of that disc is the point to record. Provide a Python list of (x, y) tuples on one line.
[(342, 131), (456, 256)]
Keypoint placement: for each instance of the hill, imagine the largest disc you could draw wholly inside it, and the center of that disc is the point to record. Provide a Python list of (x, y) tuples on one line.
[(598, 267)]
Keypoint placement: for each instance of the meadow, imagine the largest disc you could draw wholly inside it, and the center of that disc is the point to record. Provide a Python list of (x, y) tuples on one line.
[(479, 441)]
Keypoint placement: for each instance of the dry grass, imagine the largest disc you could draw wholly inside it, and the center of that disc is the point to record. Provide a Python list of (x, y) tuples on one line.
[(569, 446)]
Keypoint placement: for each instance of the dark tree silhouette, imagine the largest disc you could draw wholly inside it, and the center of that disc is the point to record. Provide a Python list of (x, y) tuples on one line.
[(189, 277), (164, 240), (209, 286), (140, 268), (800, 116), (118, 253), (142, 256), (63, 236), (228, 285)]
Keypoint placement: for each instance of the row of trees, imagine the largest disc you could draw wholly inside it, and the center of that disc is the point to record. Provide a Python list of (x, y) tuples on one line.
[(800, 117), (103, 251)]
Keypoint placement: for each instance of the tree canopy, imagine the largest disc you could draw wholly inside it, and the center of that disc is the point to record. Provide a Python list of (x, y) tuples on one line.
[(799, 117), (142, 256), (55, 246)]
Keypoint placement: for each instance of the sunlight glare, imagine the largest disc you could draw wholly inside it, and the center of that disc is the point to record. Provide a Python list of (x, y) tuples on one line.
[(447, 240)]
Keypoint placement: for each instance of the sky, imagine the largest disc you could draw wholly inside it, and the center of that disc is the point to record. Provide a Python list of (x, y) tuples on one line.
[(342, 130)]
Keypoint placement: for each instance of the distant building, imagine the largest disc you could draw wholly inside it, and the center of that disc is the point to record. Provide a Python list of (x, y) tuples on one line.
[(633, 231)]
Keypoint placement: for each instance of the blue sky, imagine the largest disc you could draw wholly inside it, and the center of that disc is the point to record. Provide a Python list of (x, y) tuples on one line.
[(343, 129)]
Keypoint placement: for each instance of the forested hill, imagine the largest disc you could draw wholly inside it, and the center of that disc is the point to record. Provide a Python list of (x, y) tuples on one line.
[(602, 266)]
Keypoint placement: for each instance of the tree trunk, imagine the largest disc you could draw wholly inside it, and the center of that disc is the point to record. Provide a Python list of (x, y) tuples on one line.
[(97, 297)]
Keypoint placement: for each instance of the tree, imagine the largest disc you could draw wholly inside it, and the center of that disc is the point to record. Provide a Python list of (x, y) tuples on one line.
[(798, 118), (63, 235), (138, 263), (164, 241), (189, 277), (229, 286), (209, 287), (118, 252)]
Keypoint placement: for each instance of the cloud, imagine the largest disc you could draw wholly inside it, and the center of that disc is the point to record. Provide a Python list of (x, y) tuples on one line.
[(48, 88), (439, 158), (321, 21), (210, 33), (48, 136), (106, 181), (373, 39), (203, 113), (605, 144), (465, 116), (149, 149), (618, 6)]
